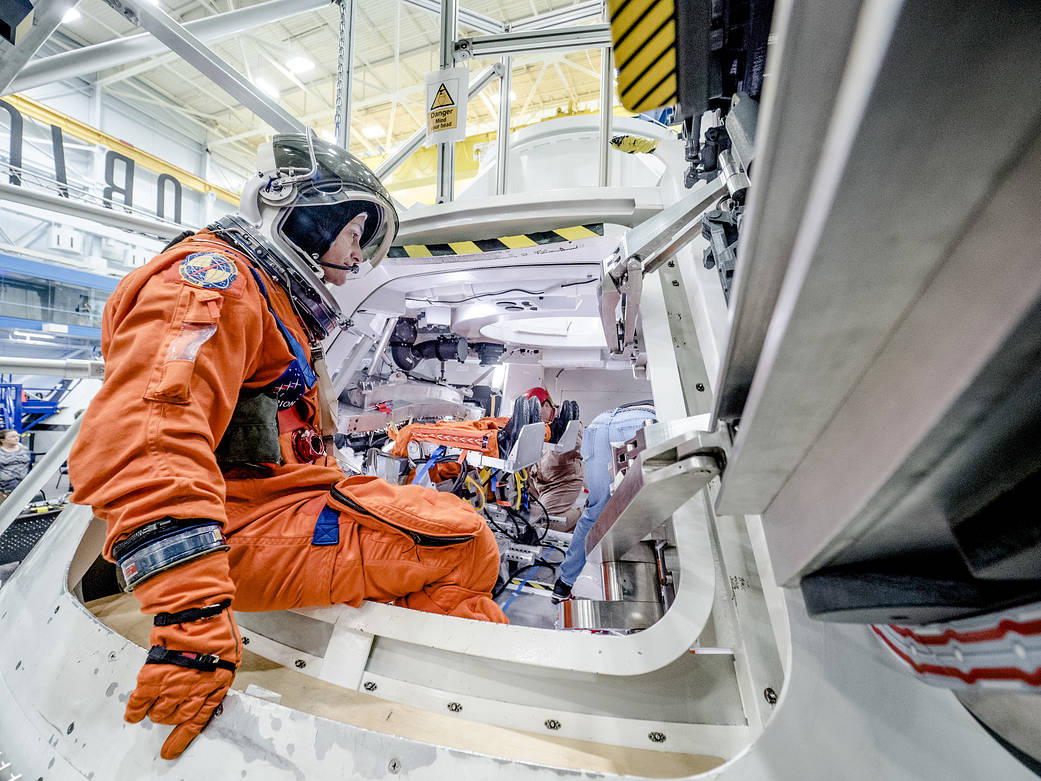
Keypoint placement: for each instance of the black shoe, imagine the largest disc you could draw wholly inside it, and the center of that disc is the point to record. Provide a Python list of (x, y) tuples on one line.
[(508, 434), (561, 591)]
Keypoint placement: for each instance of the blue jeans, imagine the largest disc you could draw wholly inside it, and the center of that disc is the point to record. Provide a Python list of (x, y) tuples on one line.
[(618, 425)]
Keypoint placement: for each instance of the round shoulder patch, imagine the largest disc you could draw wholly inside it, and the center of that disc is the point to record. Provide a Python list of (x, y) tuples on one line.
[(208, 269)]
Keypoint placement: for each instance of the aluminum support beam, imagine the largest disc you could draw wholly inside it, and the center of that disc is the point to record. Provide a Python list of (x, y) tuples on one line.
[(55, 204), (195, 53), (121, 51), (593, 36), (416, 139), (446, 152), (592, 9), (381, 346), (606, 95), (47, 16), (467, 18), (502, 160), (69, 368), (345, 74)]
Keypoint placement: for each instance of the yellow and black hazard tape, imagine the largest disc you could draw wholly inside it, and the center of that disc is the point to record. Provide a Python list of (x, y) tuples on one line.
[(531, 584), (520, 241), (644, 35)]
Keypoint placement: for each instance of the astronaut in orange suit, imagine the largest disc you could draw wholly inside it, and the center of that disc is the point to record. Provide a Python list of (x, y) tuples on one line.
[(205, 449)]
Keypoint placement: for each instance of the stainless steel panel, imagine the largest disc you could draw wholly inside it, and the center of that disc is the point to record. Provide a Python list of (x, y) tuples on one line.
[(631, 581), (810, 45), (620, 616), (869, 242)]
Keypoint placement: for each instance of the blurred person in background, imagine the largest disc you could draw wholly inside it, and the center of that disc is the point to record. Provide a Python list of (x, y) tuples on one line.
[(15, 460), (557, 479)]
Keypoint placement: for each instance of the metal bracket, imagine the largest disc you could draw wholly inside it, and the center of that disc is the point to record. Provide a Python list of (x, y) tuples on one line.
[(641, 251), (666, 465), (593, 36)]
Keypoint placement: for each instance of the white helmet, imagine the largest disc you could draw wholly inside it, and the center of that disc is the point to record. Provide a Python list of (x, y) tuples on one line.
[(305, 192)]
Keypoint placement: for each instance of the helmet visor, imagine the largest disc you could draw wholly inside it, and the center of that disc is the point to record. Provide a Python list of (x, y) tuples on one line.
[(341, 187)]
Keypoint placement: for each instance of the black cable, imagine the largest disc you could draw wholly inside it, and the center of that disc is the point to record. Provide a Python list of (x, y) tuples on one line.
[(497, 527), (545, 514), (517, 519), (504, 292)]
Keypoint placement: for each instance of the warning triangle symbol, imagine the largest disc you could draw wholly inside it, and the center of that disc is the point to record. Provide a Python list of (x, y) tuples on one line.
[(442, 98)]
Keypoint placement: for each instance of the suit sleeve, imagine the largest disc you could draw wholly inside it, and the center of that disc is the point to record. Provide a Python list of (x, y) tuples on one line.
[(176, 357)]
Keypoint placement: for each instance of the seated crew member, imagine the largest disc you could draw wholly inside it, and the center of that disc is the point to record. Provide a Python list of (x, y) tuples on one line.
[(608, 428), (204, 449), (557, 480)]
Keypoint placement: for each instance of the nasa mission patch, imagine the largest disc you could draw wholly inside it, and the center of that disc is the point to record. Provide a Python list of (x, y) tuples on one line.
[(209, 270)]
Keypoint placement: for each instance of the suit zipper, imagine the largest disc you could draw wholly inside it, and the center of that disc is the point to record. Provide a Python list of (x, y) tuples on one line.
[(426, 540)]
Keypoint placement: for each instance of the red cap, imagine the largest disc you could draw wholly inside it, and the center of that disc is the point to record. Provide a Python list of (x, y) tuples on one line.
[(538, 393)]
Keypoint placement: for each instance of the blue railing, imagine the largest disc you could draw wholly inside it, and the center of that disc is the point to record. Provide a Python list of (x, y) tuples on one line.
[(21, 408)]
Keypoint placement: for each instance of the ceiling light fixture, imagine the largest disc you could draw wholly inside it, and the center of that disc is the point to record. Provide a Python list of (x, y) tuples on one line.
[(300, 64), (31, 334), (372, 131), (266, 87), (36, 342), (70, 16)]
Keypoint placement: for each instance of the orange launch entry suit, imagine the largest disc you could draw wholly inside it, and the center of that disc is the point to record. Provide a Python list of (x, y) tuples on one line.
[(183, 337)]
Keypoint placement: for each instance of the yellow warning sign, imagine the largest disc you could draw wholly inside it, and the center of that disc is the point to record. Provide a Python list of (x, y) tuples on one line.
[(443, 114), (446, 92), (442, 98)]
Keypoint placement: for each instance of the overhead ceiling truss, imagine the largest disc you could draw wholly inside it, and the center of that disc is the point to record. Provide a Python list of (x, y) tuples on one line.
[(547, 32)]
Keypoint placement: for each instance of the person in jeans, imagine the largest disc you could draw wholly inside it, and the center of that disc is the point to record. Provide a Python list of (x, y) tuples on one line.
[(614, 426)]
